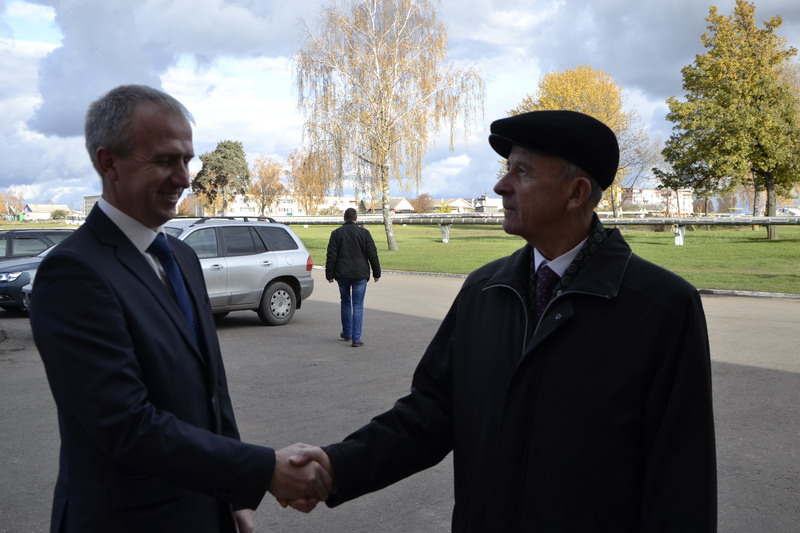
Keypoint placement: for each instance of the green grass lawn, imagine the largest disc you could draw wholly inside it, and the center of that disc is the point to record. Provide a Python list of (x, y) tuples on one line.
[(737, 259)]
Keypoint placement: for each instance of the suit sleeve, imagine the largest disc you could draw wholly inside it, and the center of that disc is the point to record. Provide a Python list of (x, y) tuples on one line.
[(413, 435), (680, 483), (81, 329)]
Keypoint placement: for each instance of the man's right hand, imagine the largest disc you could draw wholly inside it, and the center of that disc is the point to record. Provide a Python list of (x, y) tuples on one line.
[(301, 477)]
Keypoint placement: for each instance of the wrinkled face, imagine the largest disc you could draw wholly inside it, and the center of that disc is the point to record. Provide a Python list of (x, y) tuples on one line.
[(147, 183), (534, 195)]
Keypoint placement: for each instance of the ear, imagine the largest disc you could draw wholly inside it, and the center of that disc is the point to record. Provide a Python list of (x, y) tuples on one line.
[(580, 190), (107, 163)]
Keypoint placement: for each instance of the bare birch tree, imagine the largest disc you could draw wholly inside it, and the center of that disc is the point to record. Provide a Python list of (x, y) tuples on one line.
[(374, 87)]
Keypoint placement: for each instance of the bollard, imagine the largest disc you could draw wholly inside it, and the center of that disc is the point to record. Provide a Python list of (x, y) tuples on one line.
[(445, 229), (680, 233)]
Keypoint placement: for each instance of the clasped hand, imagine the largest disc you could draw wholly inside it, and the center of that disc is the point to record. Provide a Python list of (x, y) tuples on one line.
[(302, 477)]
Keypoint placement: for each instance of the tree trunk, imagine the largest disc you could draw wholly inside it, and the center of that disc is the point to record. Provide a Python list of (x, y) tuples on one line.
[(769, 185), (388, 225), (614, 206)]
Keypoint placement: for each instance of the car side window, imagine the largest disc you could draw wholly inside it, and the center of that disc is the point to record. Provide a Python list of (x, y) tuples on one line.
[(241, 240), (204, 243), (24, 246), (57, 237), (277, 239)]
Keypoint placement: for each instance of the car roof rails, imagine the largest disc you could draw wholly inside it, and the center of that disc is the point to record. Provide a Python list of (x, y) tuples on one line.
[(259, 218)]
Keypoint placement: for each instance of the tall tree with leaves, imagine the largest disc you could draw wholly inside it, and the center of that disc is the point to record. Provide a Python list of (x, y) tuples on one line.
[(739, 122), (265, 185), (309, 175), (595, 93), (224, 175), (374, 86)]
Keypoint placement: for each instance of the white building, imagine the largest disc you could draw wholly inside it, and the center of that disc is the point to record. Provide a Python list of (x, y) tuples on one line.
[(43, 211), (664, 201)]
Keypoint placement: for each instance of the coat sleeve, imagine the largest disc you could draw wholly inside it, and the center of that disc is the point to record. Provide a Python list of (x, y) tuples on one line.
[(97, 378), (372, 255), (331, 256), (680, 483), (415, 434)]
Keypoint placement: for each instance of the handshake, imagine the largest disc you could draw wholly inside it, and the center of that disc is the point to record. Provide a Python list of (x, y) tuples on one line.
[(302, 477)]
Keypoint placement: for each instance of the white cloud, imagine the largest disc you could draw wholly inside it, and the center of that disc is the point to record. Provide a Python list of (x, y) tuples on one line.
[(16, 8)]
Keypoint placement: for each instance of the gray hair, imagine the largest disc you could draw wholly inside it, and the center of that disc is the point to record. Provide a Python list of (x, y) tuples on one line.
[(571, 170), (108, 120)]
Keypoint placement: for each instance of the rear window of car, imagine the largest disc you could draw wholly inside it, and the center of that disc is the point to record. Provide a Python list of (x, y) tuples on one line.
[(241, 240), (58, 236), (277, 239), (23, 245), (203, 242)]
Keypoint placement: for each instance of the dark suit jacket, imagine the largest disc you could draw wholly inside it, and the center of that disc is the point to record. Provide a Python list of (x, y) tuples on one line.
[(148, 438)]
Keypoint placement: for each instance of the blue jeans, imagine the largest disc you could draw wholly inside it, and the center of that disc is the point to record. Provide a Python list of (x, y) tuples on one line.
[(352, 294)]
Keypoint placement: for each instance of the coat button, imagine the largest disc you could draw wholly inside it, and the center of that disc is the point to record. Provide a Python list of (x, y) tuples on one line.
[(558, 316)]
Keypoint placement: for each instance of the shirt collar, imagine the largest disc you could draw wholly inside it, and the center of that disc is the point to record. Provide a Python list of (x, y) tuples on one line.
[(140, 235), (559, 264)]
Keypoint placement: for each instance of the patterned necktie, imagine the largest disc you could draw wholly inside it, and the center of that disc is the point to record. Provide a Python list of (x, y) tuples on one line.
[(546, 280), (160, 247)]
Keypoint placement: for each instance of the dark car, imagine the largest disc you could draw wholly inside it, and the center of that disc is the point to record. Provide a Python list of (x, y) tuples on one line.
[(16, 243), (14, 275)]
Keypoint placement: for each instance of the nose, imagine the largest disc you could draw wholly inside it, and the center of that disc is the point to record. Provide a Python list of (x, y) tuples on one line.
[(180, 174), (502, 185)]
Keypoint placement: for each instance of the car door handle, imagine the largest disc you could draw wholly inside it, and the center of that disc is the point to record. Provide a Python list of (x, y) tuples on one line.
[(216, 267), (266, 263)]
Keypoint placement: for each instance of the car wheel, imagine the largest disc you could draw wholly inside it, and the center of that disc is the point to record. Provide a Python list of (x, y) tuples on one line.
[(10, 308), (277, 304), (220, 315)]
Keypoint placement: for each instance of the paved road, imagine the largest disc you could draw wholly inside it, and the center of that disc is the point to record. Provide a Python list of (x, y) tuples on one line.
[(300, 382)]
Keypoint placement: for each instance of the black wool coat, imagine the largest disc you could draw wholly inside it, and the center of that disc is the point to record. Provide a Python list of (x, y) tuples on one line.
[(351, 252), (599, 418)]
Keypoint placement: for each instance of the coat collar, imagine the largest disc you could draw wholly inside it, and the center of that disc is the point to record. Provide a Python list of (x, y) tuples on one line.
[(602, 276)]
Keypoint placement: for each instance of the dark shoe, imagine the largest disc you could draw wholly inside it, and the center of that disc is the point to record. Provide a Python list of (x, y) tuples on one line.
[(345, 339), (357, 344)]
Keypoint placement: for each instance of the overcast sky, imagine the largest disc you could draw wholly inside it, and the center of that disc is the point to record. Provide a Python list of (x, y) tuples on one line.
[(230, 63)]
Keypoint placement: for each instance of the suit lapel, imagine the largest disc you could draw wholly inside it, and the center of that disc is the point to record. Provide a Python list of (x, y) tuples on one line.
[(131, 259)]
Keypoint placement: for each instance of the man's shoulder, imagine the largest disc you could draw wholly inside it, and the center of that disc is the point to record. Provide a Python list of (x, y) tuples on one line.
[(504, 267)]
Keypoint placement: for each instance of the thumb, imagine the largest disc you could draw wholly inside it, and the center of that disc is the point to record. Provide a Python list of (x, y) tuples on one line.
[(301, 458)]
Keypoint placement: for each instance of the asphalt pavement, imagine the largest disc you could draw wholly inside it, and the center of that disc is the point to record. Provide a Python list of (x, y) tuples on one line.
[(300, 382)]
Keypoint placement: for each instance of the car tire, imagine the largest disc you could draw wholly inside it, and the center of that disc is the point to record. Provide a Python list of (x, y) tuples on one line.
[(277, 304), (221, 315)]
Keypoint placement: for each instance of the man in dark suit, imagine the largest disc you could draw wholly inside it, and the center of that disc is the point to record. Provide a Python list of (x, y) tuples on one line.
[(149, 442), (571, 380)]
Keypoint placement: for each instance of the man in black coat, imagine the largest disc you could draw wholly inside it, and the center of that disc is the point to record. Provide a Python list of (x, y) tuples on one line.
[(570, 380), (149, 442), (351, 253)]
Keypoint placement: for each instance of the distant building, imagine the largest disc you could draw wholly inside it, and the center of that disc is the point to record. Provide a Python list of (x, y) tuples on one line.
[(486, 205), (660, 201), (88, 203), (43, 211)]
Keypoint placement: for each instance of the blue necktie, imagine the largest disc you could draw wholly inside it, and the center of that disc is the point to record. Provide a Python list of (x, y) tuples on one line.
[(160, 247)]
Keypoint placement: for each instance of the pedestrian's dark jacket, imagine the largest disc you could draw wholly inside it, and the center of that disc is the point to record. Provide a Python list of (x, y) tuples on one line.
[(599, 419), (351, 252)]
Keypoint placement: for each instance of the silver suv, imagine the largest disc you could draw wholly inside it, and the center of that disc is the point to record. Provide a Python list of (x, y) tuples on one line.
[(248, 264)]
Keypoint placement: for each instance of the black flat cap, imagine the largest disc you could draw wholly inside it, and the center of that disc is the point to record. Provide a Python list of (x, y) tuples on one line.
[(578, 138)]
